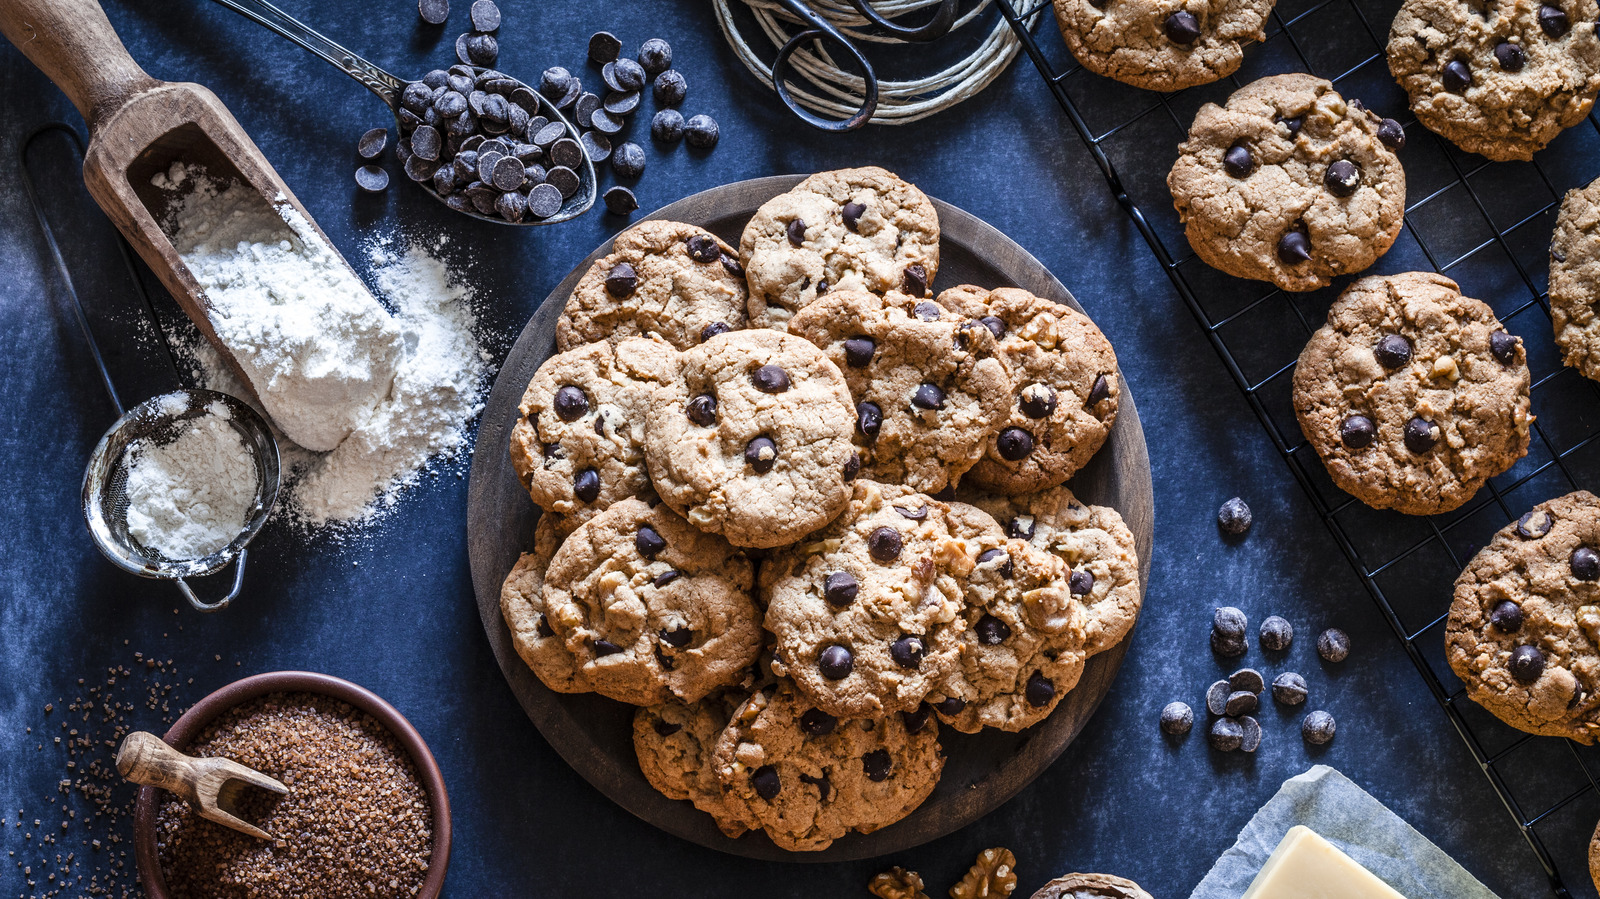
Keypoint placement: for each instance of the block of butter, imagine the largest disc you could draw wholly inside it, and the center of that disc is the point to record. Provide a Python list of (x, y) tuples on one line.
[(1305, 866)]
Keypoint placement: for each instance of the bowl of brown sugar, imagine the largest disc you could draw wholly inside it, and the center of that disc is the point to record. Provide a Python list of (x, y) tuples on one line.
[(366, 814)]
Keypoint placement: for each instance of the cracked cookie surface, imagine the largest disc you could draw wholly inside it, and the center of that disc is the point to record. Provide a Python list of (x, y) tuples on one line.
[(675, 743), (669, 279), (752, 440), (1498, 77), (1524, 628), (927, 393), (1413, 394), (522, 606), (1162, 45), (860, 228), (1289, 183), (1575, 280)]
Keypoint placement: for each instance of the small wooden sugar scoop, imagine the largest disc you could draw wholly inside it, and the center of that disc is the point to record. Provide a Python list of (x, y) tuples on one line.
[(205, 783)]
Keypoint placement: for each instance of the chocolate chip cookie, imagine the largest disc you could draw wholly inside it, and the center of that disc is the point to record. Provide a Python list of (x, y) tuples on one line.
[(1524, 629), (866, 613), (1161, 45), (651, 608), (1575, 279), (1289, 183), (1023, 646), (1497, 77), (852, 228), (1413, 394), (579, 445), (808, 777), (669, 279), (1095, 544), (675, 743), (752, 440), (928, 394), (1064, 388), (522, 606)]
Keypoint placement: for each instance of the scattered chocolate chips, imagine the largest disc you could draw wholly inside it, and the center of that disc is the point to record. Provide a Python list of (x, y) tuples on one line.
[(869, 419), (1293, 124), (1294, 247), (1238, 161), (1234, 517), (1503, 346), (1511, 57), (1226, 735), (701, 132), (907, 651), (1289, 688), (1506, 617), (817, 723), (1101, 390), (1342, 178), (1333, 645), (995, 326), (1182, 27), (1014, 444), (836, 662), (1391, 134), (669, 90), (1176, 719), (604, 47), (436, 12), (1251, 740), (627, 160), (1020, 528), (1229, 622), (619, 201), (851, 213), (713, 329), (1247, 679), (1357, 431), (371, 144), (655, 56), (1535, 524), (1585, 564), (1553, 21), (1276, 634), (1456, 77), (1318, 728), (1392, 351), (991, 631), (840, 589), (372, 179), (665, 578), (1420, 435), (1526, 664), (920, 513), (761, 453), (928, 311), (485, 16), (648, 542), (884, 544), (766, 783), (1217, 698), (703, 248), (852, 467), (1039, 690), (1240, 702)]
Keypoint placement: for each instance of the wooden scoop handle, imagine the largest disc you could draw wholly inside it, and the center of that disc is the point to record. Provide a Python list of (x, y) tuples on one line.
[(73, 43), (144, 759)]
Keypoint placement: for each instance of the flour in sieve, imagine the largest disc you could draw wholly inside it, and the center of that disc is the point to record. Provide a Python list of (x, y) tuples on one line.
[(188, 498)]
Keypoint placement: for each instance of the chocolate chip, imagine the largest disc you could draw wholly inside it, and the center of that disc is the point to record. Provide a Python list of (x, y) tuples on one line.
[(669, 90), (1182, 27), (858, 351), (1510, 56), (1535, 524), (1039, 690), (485, 16), (770, 379), (417, 97), (1333, 645), (1420, 435), (508, 173), (840, 589), (1252, 734), (435, 12), (1456, 76), (1289, 688), (1240, 702), (1391, 134), (372, 179), (371, 144), (477, 49), (732, 266), (852, 214), (877, 765), (1247, 679), (1276, 634), (920, 513), (655, 56), (604, 47), (554, 82), (586, 486), (928, 396), (1226, 735), (621, 103), (1228, 647), (915, 279), (677, 638), (1293, 124), (667, 126), (824, 787), (511, 207), (1585, 564), (1081, 582), (1230, 622), (622, 280), (869, 419), (419, 169), (543, 627), (991, 630), (1238, 161), (570, 403), (627, 160), (1176, 719), (1014, 444), (761, 453), (1099, 391), (916, 719), (1526, 664), (648, 542), (995, 326), (1504, 347), (665, 578), (1004, 569), (568, 153), (544, 200), (1318, 728), (817, 723), (885, 544), (700, 132), (765, 782), (1553, 21), (1357, 431), (1342, 178), (1294, 247), (1217, 697), (605, 647), (1037, 401), (835, 662), (1506, 617), (950, 705), (797, 232), (1020, 528), (1392, 351), (907, 651), (702, 410), (553, 451), (596, 146), (1234, 517), (852, 467)]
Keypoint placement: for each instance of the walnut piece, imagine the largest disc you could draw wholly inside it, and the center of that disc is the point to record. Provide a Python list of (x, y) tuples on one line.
[(993, 876), (897, 883)]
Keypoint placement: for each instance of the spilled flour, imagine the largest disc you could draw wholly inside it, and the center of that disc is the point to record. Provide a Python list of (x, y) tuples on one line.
[(438, 388)]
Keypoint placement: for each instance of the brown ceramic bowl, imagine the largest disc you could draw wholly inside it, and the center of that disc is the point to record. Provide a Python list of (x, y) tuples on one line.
[(202, 713)]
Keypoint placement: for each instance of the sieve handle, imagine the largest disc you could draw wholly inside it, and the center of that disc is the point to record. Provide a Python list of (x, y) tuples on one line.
[(238, 581)]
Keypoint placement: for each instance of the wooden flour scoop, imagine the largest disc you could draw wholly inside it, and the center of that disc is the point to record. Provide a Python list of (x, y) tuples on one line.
[(138, 127), (204, 783)]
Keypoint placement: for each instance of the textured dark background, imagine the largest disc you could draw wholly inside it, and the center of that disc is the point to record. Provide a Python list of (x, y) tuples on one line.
[(391, 607)]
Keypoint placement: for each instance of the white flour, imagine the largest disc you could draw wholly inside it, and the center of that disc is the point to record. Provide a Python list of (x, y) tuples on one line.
[(190, 497), (320, 352), (438, 389)]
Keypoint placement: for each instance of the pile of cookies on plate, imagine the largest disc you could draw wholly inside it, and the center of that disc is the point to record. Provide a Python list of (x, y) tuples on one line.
[(800, 510)]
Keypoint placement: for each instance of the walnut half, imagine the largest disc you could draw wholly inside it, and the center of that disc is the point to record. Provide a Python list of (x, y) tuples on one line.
[(993, 876), (1090, 886), (897, 883)]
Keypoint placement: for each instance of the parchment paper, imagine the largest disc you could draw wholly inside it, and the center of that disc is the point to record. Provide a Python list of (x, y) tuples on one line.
[(1361, 826)]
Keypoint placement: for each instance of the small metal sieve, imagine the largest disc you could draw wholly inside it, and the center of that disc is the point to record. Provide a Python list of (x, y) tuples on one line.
[(105, 501)]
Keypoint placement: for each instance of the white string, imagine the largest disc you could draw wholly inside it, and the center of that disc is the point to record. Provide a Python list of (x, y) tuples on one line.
[(831, 90)]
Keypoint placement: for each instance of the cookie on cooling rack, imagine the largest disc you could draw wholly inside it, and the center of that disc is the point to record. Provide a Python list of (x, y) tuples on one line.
[(1575, 279), (1162, 45)]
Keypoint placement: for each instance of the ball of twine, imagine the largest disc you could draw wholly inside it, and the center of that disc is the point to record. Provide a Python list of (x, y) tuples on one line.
[(830, 90)]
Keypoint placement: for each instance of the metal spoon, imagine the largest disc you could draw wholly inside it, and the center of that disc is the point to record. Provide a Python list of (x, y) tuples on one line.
[(390, 88), (207, 784)]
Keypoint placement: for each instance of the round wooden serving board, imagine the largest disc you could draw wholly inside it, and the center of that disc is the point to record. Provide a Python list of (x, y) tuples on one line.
[(594, 734)]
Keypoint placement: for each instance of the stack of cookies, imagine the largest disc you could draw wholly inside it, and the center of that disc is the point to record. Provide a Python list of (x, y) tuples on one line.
[(800, 510)]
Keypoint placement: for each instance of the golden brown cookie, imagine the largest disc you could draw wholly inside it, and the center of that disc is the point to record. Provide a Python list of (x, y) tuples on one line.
[(675, 743), (522, 606), (1575, 279), (1161, 45)]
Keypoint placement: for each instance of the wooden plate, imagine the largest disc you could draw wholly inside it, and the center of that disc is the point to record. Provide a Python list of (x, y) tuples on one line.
[(594, 734)]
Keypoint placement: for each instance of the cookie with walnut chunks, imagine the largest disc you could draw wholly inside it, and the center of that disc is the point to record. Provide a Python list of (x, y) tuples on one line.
[(522, 606), (1161, 45)]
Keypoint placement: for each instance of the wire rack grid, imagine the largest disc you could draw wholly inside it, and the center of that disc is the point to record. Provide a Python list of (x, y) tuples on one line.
[(1487, 225)]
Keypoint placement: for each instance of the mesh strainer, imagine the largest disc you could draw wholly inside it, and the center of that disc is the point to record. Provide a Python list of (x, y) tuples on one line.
[(105, 501)]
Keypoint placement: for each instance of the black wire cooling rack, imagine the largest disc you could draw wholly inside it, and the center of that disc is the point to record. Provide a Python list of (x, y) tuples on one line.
[(1487, 225)]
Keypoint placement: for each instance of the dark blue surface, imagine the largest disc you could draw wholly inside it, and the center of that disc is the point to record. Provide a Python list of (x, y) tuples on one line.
[(391, 607)]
